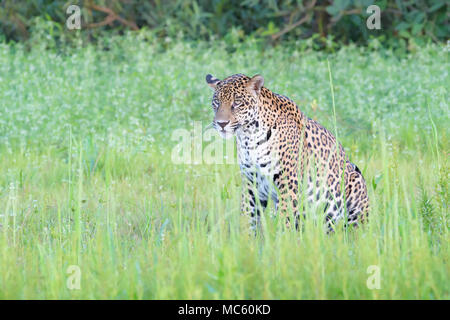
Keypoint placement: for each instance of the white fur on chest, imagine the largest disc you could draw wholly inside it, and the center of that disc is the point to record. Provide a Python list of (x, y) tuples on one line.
[(258, 161)]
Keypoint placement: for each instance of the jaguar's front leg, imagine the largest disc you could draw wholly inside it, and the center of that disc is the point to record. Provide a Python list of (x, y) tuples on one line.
[(286, 178), (249, 207), (288, 206)]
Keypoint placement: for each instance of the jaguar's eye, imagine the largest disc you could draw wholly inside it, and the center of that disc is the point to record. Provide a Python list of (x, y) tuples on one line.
[(236, 104)]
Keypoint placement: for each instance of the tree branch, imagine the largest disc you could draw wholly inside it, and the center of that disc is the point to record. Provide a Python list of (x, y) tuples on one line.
[(295, 24), (110, 18)]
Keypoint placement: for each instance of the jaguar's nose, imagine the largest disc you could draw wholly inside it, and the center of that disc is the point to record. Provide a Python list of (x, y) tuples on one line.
[(223, 124)]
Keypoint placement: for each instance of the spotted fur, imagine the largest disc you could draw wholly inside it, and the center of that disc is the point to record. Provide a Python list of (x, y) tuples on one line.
[(284, 155)]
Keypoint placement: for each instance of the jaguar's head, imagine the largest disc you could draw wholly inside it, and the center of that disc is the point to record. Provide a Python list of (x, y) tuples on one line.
[(235, 102)]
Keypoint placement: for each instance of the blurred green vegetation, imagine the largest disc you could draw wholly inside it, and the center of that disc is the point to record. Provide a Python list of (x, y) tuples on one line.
[(404, 24), (87, 177)]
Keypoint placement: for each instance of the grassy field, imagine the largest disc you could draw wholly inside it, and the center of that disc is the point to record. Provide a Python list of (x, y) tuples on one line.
[(87, 177)]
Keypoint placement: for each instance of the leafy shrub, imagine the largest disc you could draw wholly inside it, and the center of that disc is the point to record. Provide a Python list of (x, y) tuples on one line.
[(404, 24)]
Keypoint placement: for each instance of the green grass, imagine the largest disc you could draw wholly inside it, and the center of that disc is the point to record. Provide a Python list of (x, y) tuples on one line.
[(86, 176)]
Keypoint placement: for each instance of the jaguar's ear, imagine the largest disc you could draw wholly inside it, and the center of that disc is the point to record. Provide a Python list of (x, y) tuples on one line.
[(212, 81), (256, 83)]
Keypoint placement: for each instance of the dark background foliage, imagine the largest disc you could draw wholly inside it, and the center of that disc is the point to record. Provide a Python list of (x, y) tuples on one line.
[(273, 21)]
